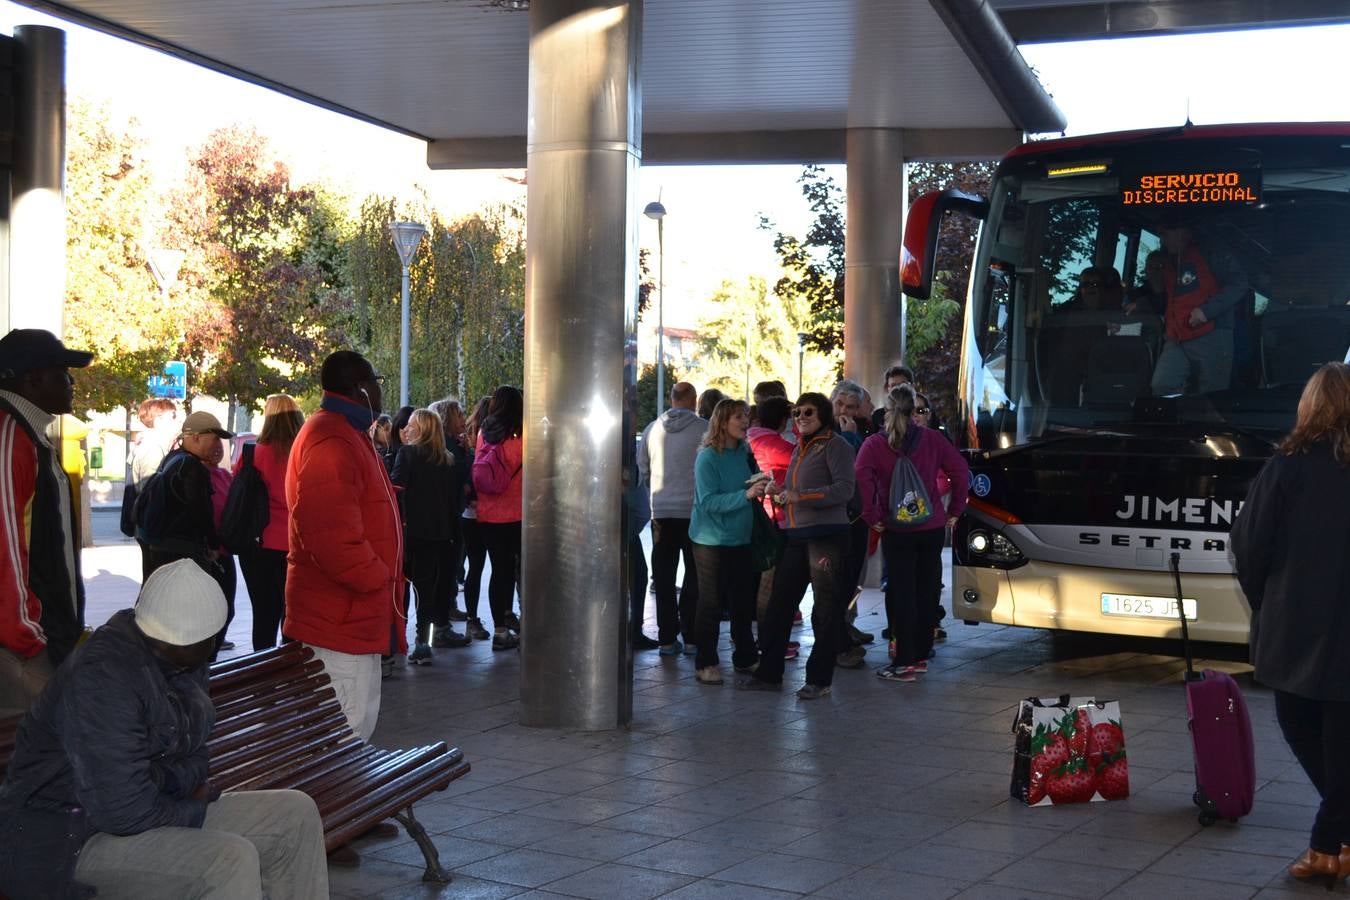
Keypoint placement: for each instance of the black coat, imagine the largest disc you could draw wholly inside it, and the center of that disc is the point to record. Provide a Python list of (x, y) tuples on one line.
[(117, 732), (432, 494), (1292, 546)]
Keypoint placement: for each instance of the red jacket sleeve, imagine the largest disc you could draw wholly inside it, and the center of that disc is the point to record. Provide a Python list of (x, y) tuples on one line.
[(328, 517), (20, 609)]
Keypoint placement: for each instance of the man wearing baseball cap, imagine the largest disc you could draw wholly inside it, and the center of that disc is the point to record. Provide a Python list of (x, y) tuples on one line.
[(41, 593), (117, 745)]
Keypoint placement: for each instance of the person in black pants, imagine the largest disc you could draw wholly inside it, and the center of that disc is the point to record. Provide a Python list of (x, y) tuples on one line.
[(431, 485), (497, 467), (815, 497), (1289, 544)]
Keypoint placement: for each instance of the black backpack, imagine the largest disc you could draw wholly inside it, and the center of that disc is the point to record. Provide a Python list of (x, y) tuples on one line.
[(150, 508), (127, 523), (246, 508)]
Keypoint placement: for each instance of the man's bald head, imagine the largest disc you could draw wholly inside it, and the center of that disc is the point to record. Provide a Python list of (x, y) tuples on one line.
[(683, 395)]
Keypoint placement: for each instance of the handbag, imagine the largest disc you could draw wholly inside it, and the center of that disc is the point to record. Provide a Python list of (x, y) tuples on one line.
[(1069, 750), (766, 539), (39, 849)]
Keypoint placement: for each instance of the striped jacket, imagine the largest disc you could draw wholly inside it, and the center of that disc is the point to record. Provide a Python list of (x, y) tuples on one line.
[(41, 592)]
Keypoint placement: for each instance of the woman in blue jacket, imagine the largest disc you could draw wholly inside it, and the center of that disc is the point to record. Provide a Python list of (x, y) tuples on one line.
[(720, 531)]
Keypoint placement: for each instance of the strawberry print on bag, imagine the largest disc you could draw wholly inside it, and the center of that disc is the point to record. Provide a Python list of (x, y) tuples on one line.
[(1069, 750)]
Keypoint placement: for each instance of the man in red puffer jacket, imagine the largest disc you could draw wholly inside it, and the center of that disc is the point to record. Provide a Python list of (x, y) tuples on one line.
[(344, 571)]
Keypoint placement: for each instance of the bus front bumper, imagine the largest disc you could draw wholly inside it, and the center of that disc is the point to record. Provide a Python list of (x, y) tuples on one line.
[(1054, 595)]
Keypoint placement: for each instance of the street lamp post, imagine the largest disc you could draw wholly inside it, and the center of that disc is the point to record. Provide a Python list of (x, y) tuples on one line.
[(655, 210), (801, 358), (407, 240)]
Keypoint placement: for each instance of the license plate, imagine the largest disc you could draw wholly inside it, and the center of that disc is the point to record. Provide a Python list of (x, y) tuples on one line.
[(1145, 607)]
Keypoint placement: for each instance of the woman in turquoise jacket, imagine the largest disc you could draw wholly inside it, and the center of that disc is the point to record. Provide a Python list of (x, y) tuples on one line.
[(720, 531)]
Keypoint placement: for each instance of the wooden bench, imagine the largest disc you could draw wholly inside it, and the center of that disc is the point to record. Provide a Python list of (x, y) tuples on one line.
[(279, 725)]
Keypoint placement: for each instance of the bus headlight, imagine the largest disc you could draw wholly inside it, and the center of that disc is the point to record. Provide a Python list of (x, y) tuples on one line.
[(991, 548)]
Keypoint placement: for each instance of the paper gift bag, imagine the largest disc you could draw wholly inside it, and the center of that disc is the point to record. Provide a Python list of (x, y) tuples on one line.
[(1069, 750)]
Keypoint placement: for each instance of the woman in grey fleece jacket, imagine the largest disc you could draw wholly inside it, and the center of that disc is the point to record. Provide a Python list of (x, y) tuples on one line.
[(815, 496)]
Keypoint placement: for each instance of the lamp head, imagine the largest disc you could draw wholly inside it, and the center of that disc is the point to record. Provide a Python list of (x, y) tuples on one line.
[(655, 210)]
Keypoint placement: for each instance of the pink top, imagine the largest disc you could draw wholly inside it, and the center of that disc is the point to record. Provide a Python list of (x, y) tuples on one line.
[(220, 492), (506, 506), (932, 456), (269, 462)]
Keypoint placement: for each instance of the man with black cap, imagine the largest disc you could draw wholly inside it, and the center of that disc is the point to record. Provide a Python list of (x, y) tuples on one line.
[(115, 752), (41, 592)]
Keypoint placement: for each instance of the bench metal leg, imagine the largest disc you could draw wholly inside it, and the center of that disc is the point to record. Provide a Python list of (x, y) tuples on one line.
[(415, 830)]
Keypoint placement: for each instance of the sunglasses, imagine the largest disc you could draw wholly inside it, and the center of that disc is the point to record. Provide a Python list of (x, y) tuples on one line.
[(806, 413)]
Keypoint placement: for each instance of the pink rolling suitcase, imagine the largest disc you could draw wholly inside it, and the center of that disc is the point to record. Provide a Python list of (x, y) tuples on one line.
[(1221, 734)]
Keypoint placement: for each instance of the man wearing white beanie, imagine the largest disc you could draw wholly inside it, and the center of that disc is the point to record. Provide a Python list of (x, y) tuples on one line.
[(117, 745)]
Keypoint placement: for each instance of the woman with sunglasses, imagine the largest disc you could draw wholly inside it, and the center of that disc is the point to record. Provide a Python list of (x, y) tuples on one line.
[(725, 484), (815, 496), (913, 554)]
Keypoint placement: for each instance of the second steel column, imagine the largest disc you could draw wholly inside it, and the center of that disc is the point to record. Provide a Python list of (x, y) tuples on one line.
[(584, 138), (873, 230)]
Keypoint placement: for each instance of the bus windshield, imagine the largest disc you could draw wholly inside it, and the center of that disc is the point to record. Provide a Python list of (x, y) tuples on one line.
[(1156, 287)]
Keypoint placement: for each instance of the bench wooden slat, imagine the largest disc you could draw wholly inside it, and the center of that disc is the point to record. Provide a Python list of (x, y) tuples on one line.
[(353, 820), (299, 757), (314, 765)]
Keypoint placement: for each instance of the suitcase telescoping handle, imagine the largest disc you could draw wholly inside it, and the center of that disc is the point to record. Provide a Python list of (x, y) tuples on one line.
[(1181, 611)]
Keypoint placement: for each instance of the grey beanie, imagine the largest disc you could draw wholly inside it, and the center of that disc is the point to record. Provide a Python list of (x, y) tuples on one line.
[(180, 604)]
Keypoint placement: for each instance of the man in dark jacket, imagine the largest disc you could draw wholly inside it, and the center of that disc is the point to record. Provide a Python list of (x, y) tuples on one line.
[(120, 732), (41, 592), (181, 525)]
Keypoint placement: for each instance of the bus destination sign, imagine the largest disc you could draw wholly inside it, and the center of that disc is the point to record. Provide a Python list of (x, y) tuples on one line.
[(1209, 187)]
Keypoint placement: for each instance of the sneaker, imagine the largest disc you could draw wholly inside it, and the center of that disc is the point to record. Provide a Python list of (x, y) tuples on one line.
[(751, 683), (642, 642), (505, 640), (859, 636), (421, 655), (790, 653), (690, 650), (709, 675), (476, 630), (896, 673), (444, 638), (227, 645), (939, 634), (853, 658), (813, 691), (796, 618), (746, 670), (794, 645), (920, 667), (458, 615), (672, 649), (512, 622)]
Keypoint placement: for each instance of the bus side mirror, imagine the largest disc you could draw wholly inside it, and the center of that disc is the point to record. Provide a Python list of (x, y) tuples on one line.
[(922, 223)]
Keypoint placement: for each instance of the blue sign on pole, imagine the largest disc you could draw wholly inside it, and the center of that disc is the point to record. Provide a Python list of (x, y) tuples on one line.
[(172, 385)]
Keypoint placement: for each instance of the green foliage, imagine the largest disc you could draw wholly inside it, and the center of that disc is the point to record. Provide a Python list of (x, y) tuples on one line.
[(813, 266), (111, 304), (646, 392)]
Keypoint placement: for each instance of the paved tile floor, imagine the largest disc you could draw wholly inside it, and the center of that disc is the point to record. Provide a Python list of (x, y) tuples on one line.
[(879, 790)]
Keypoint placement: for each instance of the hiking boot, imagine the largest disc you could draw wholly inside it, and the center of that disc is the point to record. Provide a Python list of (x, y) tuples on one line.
[(853, 658), (458, 615), (812, 691), (505, 640), (421, 655), (512, 622), (709, 675), (674, 648), (444, 638), (475, 629)]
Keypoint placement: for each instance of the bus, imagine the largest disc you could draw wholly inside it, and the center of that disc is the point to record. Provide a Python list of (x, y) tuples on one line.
[(1144, 310)]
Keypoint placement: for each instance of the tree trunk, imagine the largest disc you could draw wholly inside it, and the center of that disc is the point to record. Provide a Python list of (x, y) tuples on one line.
[(229, 414), (127, 452)]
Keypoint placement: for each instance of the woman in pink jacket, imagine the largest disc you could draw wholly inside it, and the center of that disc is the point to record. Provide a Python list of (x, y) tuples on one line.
[(497, 463), (913, 554)]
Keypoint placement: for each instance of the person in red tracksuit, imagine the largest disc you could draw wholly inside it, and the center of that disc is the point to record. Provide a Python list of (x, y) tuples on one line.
[(41, 592), (344, 580)]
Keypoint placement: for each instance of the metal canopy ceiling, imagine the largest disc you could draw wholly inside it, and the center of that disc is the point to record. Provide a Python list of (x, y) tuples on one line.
[(1033, 21), (767, 80)]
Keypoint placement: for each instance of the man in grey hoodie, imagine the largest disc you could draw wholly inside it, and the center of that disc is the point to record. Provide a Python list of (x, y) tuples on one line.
[(666, 463)]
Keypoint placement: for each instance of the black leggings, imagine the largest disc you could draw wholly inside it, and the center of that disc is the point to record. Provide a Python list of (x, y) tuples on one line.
[(914, 561), (428, 566), (1318, 731), (502, 540), (475, 553), (265, 576)]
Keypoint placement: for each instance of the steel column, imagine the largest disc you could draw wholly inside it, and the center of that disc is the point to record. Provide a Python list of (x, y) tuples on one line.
[(37, 248), (580, 348), (874, 225)]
